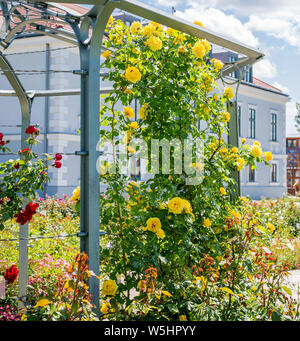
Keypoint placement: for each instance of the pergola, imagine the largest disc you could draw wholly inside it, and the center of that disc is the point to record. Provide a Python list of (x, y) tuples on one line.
[(87, 33)]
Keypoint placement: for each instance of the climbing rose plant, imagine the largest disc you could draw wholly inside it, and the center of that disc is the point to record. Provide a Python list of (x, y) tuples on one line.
[(21, 178), (175, 251)]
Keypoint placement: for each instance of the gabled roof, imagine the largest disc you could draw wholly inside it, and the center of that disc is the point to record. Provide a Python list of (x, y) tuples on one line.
[(265, 85)]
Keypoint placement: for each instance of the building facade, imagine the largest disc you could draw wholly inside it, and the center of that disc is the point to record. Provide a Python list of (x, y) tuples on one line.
[(261, 116)]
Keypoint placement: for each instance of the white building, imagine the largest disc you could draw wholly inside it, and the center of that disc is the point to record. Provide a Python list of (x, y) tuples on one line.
[(261, 115)]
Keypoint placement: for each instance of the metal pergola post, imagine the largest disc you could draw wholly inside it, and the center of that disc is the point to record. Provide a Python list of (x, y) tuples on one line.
[(88, 33)]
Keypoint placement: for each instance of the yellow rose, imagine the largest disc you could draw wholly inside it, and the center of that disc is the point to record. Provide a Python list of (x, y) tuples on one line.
[(244, 140), (206, 45), (228, 92), (135, 27), (161, 234), (148, 30), (109, 287), (223, 151), (154, 43), (223, 190), (240, 163), (268, 156), (187, 206), (153, 224), (182, 318), (235, 150), (256, 151), (76, 194), (256, 143), (134, 125), (199, 49), (106, 54), (176, 205), (132, 74), (128, 112), (130, 149), (217, 63), (143, 111), (206, 222), (105, 308), (271, 227), (225, 116), (110, 20)]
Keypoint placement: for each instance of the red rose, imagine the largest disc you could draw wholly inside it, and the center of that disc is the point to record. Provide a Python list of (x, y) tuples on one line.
[(26, 215), (57, 164), (1, 136), (31, 130), (11, 274), (17, 165), (2, 143), (58, 157)]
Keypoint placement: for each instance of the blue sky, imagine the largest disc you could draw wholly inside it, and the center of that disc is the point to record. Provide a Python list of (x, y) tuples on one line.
[(273, 26)]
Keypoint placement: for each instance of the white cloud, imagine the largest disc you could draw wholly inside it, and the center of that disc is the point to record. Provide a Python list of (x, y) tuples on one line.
[(265, 69), (281, 87), (219, 22)]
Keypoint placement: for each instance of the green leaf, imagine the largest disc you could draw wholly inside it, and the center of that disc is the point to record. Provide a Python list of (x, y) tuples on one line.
[(287, 290), (229, 291)]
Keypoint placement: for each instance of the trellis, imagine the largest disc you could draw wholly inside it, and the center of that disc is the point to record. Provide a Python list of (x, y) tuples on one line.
[(87, 34)]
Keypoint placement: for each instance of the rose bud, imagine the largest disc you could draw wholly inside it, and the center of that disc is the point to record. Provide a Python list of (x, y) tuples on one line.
[(17, 165), (58, 156)]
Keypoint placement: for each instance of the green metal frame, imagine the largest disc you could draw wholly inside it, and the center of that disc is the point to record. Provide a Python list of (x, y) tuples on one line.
[(88, 33)]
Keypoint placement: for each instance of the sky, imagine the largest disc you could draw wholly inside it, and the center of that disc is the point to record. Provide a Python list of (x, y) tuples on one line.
[(272, 26)]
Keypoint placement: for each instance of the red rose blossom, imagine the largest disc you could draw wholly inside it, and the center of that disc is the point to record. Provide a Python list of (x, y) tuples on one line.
[(57, 164), (1, 136), (2, 143), (31, 130), (17, 165), (26, 215), (58, 156), (11, 274)]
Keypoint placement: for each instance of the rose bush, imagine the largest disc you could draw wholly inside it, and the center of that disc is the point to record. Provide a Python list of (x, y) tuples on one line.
[(179, 251)]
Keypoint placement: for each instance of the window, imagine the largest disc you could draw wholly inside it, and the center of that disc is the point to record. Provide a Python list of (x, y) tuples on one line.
[(248, 75), (251, 174), (273, 127), (292, 143), (252, 123), (239, 119), (274, 172)]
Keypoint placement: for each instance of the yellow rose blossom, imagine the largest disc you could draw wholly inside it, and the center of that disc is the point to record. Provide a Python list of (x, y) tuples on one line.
[(153, 224), (235, 214), (271, 227), (217, 63), (148, 30), (130, 149), (256, 151), (223, 151), (157, 27), (132, 74), (110, 20), (106, 54), (105, 308), (154, 43), (143, 111), (135, 27), (128, 112), (228, 92), (268, 156), (225, 116), (235, 150), (199, 49), (182, 318), (109, 287), (206, 222), (160, 234), (215, 97), (240, 163), (187, 206), (244, 140), (76, 194), (223, 190), (256, 143), (206, 45), (176, 205), (134, 125)]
